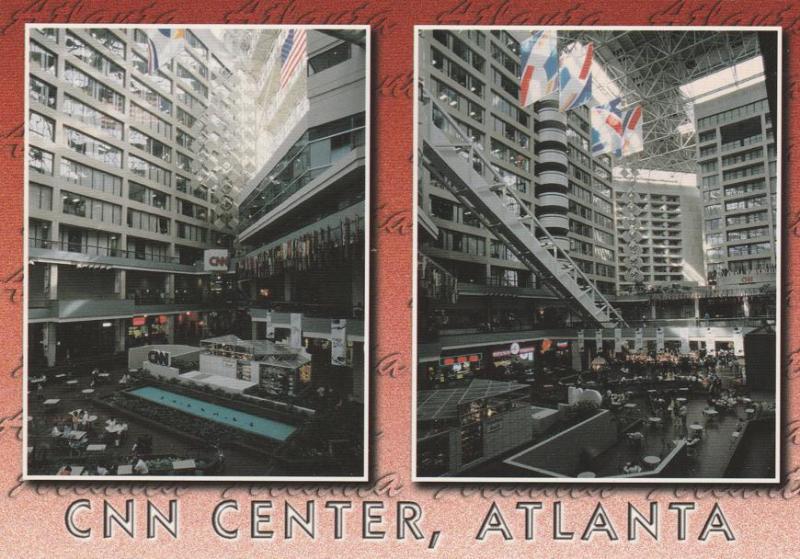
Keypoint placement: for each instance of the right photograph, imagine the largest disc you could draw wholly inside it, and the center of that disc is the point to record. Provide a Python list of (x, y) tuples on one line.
[(597, 254)]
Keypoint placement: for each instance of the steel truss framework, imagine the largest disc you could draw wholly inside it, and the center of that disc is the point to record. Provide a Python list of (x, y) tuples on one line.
[(649, 67)]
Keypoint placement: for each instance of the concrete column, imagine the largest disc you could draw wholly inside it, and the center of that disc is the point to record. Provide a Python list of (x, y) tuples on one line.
[(52, 283), (551, 169), (171, 328), (120, 283), (253, 330), (746, 307), (287, 286), (49, 341), (652, 311), (169, 287), (697, 307), (120, 334)]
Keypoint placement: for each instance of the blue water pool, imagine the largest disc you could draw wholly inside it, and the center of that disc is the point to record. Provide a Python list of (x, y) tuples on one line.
[(227, 416)]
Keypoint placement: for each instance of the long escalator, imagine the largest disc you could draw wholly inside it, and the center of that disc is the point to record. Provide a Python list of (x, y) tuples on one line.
[(452, 159)]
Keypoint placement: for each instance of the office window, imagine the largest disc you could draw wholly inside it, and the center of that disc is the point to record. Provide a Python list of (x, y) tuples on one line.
[(192, 232), (150, 145), (188, 99), (100, 92), (91, 56), (329, 58), (109, 40), (42, 59), (189, 209), (443, 209), (91, 116), (184, 139), (92, 147), (188, 78), (96, 210), (150, 171), (184, 162), (145, 195), (150, 96), (152, 122), (147, 222), (88, 177), (185, 118), (40, 161), (50, 32), (42, 92), (196, 44), (182, 183), (42, 126), (40, 197)]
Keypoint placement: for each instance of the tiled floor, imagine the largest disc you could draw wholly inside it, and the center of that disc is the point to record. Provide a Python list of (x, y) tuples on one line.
[(713, 453)]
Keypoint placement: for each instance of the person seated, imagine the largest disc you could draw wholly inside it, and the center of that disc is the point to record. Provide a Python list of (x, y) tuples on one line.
[(56, 432), (65, 471), (140, 467), (102, 471)]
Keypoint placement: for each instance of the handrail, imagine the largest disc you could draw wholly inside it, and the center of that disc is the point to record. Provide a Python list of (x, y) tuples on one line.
[(558, 252)]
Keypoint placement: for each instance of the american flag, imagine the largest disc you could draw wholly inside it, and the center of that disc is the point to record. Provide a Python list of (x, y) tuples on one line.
[(293, 51)]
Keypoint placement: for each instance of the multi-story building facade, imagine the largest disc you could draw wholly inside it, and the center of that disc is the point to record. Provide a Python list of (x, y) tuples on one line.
[(302, 229), (543, 154), (669, 233), (132, 175), (737, 171)]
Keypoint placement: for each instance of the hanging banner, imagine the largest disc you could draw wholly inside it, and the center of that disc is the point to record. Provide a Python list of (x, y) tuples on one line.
[(638, 344), (339, 342), (607, 128), (598, 339), (659, 340), (580, 340), (270, 327), (685, 341), (632, 138), (539, 64), (617, 340), (575, 76), (296, 330)]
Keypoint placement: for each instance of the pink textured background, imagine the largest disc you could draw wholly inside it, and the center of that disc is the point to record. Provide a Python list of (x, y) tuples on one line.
[(31, 515)]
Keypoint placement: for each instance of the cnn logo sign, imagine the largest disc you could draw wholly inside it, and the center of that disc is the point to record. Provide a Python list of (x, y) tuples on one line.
[(216, 260)]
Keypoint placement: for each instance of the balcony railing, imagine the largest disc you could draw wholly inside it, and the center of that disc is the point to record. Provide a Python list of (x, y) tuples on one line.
[(96, 250)]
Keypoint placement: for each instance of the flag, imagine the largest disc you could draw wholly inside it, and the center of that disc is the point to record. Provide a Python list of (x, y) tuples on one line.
[(539, 65), (293, 51), (162, 46), (575, 76), (607, 127), (632, 138)]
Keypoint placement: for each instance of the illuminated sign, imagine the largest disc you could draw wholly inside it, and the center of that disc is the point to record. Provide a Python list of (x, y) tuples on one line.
[(514, 349), (216, 260), (460, 359)]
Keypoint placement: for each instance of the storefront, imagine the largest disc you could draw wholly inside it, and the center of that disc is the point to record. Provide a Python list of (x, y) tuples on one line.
[(515, 354), (81, 341), (453, 368), (147, 329)]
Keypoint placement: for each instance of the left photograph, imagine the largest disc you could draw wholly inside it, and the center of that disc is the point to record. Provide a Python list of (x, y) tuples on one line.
[(197, 249)]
